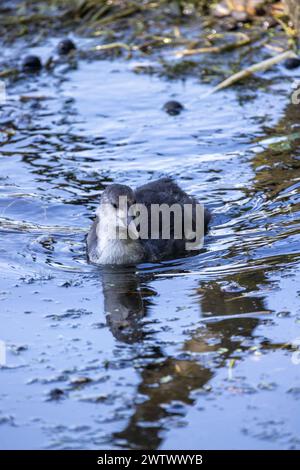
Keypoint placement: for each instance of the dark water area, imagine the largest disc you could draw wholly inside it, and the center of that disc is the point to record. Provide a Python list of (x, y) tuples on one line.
[(200, 352)]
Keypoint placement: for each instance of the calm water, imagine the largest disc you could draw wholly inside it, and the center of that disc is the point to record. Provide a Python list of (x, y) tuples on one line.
[(208, 355)]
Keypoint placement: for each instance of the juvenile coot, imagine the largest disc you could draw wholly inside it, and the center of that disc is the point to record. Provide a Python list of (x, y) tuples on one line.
[(130, 247)]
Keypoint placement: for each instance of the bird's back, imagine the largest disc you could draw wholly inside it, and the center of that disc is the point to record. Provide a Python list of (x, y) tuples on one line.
[(166, 191)]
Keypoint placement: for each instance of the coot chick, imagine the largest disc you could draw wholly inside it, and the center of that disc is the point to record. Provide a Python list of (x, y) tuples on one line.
[(129, 246), (65, 46), (31, 63), (173, 107)]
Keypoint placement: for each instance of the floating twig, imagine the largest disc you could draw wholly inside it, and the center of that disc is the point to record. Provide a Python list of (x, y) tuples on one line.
[(113, 45), (244, 39), (264, 65), (8, 72)]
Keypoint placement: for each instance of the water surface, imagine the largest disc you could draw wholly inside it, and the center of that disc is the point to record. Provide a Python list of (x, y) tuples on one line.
[(196, 353)]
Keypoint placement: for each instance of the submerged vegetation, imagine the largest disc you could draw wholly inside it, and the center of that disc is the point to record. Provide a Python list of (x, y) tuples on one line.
[(220, 42), (182, 37)]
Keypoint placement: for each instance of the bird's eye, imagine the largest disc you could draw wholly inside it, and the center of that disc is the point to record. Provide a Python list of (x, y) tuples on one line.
[(115, 206)]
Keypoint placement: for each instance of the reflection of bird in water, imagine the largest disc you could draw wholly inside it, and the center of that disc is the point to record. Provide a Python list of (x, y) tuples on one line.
[(167, 382), (130, 247), (123, 303)]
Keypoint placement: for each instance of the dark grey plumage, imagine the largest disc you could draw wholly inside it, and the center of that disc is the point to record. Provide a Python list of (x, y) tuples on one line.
[(165, 191)]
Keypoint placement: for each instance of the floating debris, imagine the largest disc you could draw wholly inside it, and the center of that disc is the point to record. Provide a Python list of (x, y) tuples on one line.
[(166, 379), (264, 65), (65, 46), (31, 63), (173, 108), (243, 39), (292, 63), (56, 394), (79, 381)]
